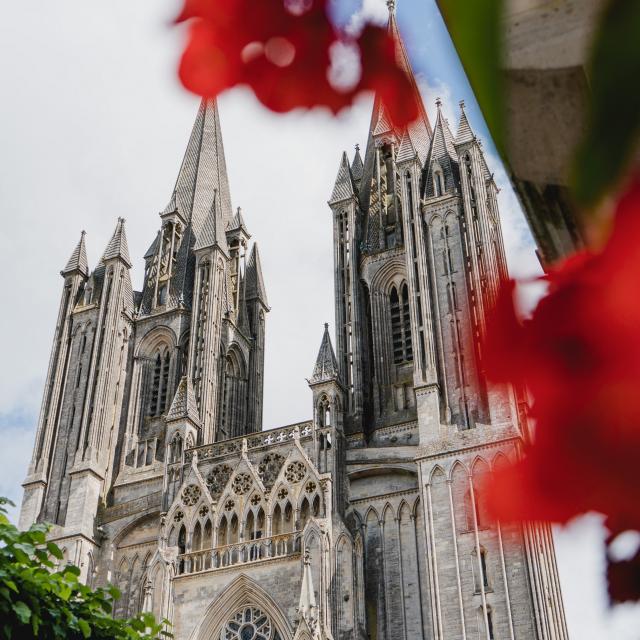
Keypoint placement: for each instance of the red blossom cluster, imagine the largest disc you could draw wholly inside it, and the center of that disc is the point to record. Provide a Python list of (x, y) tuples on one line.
[(579, 357), (284, 51)]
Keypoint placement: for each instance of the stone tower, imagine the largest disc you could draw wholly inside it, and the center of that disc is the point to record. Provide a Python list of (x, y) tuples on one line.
[(364, 522)]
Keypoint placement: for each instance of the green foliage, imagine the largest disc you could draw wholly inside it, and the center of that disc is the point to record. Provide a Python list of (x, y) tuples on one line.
[(614, 125), (38, 601), (476, 29)]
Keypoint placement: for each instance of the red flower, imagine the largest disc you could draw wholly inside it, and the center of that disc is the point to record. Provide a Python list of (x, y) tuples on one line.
[(579, 357), (282, 50)]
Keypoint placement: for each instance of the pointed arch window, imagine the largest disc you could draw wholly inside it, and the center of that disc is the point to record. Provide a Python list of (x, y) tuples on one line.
[(401, 325), (438, 182), (160, 383)]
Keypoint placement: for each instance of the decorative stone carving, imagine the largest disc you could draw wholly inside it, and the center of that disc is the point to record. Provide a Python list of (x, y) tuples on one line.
[(179, 516), (295, 471), (228, 505), (202, 512), (282, 494), (269, 468), (217, 479), (255, 499), (241, 483), (311, 487), (191, 494)]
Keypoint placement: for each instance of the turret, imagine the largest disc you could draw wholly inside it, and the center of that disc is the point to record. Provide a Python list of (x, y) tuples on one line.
[(182, 432), (75, 275), (328, 418)]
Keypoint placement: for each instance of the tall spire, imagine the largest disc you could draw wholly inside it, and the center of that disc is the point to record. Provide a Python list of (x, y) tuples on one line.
[(344, 187), (326, 368), (78, 259), (202, 172), (357, 166), (212, 232), (254, 281), (118, 247), (465, 133)]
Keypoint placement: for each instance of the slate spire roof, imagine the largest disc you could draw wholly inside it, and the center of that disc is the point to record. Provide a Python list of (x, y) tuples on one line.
[(184, 403), (202, 172), (465, 133), (307, 606), (326, 368), (254, 281), (344, 187), (357, 166), (118, 247), (212, 232), (78, 259)]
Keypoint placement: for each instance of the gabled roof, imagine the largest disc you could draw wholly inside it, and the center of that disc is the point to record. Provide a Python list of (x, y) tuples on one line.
[(344, 187), (326, 368), (465, 133), (255, 282), (78, 260), (212, 232), (406, 150), (202, 172), (184, 403), (118, 247)]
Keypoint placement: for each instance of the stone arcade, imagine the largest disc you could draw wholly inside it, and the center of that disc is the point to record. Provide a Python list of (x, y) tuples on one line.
[(366, 520)]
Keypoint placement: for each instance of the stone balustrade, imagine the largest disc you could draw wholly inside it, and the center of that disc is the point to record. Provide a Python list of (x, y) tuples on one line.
[(239, 553)]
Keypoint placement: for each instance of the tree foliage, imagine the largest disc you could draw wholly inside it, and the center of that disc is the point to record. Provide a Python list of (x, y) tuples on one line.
[(39, 600)]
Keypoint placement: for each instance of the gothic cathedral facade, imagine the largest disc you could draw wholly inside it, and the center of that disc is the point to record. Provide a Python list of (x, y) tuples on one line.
[(364, 522)]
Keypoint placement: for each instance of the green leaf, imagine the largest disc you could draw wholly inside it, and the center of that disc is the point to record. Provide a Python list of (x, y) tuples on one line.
[(22, 611), (475, 27), (84, 628), (614, 119), (54, 550)]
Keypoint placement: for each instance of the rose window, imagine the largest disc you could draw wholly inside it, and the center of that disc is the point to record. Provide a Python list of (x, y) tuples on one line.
[(250, 623), (241, 483), (269, 468), (191, 494), (295, 472)]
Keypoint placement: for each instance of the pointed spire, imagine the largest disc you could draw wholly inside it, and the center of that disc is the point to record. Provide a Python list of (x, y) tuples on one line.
[(78, 259), (212, 232), (184, 403), (357, 166), (344, 188), (238, 224), (326, 368), (118, 247), (307, 606), (442, 141), (254, 281), (465, 133), (203, 170)]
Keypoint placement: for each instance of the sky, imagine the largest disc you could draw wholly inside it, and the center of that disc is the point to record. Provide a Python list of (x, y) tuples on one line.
[(94, 125)]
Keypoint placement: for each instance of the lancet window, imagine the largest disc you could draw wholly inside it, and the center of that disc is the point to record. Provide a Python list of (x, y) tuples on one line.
[(401, 325), (160, 383)]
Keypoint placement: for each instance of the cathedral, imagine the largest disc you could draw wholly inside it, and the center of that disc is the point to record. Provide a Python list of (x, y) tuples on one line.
[(365, 521)]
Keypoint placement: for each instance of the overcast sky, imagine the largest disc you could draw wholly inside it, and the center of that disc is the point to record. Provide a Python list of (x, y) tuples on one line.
[(94, 126)]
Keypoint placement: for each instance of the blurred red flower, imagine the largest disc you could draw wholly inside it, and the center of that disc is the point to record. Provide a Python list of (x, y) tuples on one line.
[(282, 49), (579, 357)]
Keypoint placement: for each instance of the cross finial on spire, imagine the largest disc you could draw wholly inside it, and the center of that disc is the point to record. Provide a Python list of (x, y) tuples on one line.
[(326, 325), (391, 4), (357, 147), (461, 103), (438, 103)]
